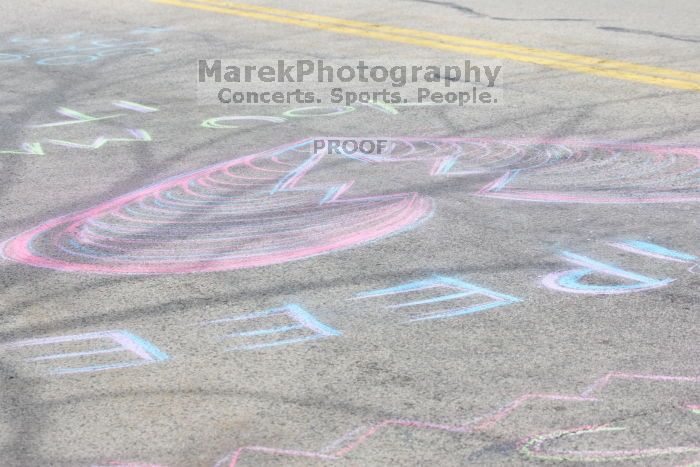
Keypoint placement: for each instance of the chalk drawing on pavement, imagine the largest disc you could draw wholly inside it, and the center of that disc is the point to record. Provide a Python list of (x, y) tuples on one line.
[(137, 135), (76, 117), (531, 446), (598, 173), (135, 106), (289, 324), (246, 212), (571, 281), (534, 448), (259, 210), (76, 48), (139, 351), (654, 251), (27, 149), (457, 289)]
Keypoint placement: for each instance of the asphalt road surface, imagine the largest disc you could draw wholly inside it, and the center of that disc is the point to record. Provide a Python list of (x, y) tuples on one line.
[(187, 283)]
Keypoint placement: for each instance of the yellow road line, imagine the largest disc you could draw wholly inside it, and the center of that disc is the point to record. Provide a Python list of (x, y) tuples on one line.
[(578, 63), (457, 40)]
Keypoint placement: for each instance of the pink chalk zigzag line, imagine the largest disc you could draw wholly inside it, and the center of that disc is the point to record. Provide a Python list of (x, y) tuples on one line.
[(481, 423)]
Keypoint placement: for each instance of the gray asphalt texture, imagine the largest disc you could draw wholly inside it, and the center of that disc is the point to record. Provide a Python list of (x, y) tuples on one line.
[(604, 378)]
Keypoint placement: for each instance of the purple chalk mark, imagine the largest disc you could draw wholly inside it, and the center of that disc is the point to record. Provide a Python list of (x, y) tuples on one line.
[(134, 106)]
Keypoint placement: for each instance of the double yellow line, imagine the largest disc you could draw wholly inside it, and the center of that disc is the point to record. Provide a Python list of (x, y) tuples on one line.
[(578, 63)]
